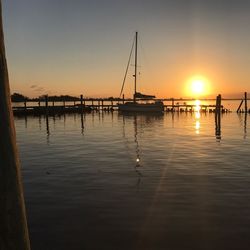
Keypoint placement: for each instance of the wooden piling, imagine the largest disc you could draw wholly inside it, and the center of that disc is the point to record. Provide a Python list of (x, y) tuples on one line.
[(246, 102), (81, 99), (13, 225), (123, 98), (46, 104), (25, 105), (218, 117), (172, 104), (238, 110)]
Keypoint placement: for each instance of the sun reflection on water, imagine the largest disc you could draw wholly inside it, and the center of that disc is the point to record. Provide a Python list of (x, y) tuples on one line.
[(197, 116)]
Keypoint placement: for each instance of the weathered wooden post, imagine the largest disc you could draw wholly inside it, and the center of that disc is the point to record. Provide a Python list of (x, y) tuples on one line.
[(81, 99), (13, 224), (238, 110), (25, 105), (218, 117), (102, 104), (245, 102), (123, 98), (99, 105), (46, 104)]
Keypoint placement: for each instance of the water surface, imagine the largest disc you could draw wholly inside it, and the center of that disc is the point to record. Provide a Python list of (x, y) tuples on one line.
[(112, 181)]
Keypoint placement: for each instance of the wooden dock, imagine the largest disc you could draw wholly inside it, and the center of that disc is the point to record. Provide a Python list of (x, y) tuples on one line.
[(44, 106)]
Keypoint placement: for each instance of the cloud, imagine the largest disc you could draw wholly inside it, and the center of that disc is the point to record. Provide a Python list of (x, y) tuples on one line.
[(39, 89)]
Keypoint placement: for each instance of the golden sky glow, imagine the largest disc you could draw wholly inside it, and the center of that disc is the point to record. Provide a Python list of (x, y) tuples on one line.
[(186, 49)]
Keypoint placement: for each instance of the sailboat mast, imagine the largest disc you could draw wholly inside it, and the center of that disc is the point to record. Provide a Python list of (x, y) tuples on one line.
[(136, 38)]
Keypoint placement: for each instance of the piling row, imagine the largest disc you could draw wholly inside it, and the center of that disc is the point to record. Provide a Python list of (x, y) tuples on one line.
[(110, 104)]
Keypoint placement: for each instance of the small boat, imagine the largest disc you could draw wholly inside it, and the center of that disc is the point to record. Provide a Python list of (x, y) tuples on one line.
[(136, 105)]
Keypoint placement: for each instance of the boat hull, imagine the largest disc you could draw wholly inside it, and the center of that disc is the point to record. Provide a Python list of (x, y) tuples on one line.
[(141, 107)]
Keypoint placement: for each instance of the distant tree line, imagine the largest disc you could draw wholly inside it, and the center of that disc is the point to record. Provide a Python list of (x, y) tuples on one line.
[(17, 97)]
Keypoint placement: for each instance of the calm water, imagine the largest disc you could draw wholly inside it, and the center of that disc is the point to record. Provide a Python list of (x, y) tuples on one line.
[(108, 181)]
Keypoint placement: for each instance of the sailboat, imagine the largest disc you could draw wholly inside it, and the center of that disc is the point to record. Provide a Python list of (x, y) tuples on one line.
[(135, 105)]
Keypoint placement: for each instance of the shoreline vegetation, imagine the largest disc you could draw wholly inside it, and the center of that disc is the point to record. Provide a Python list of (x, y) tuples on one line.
[(17, 97)]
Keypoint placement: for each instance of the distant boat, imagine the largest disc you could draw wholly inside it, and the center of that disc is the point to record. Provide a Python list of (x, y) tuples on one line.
[(135, 106)]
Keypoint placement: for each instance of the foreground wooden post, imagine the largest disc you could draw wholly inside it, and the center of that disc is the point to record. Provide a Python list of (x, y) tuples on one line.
[(13, 224)]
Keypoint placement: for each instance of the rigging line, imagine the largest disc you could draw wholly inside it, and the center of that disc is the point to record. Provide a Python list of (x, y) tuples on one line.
[(127, 67)]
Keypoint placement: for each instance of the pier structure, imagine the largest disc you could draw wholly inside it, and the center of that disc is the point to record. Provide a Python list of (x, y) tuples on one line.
[(51, 107)]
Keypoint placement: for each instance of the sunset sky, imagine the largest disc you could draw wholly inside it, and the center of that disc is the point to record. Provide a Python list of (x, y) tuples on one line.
[(82, 46)]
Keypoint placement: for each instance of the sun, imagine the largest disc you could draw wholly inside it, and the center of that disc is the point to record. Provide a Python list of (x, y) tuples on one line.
[(198, 86)]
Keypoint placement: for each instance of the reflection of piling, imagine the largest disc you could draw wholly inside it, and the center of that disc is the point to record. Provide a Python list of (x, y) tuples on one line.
[(218, 117), (47, 125), (13, 224), (82, 122), (245, 125)]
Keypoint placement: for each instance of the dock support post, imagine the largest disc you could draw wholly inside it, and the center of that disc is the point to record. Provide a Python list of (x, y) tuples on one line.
[(46, 104), (238, 110), (246, 102), (13, 224), (81, 99), (25, 105), (172, 104), (218, 117), (102, 104), (123, 99)]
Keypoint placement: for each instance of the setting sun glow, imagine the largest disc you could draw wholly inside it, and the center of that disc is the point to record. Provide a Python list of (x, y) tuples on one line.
[(198, 86)]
